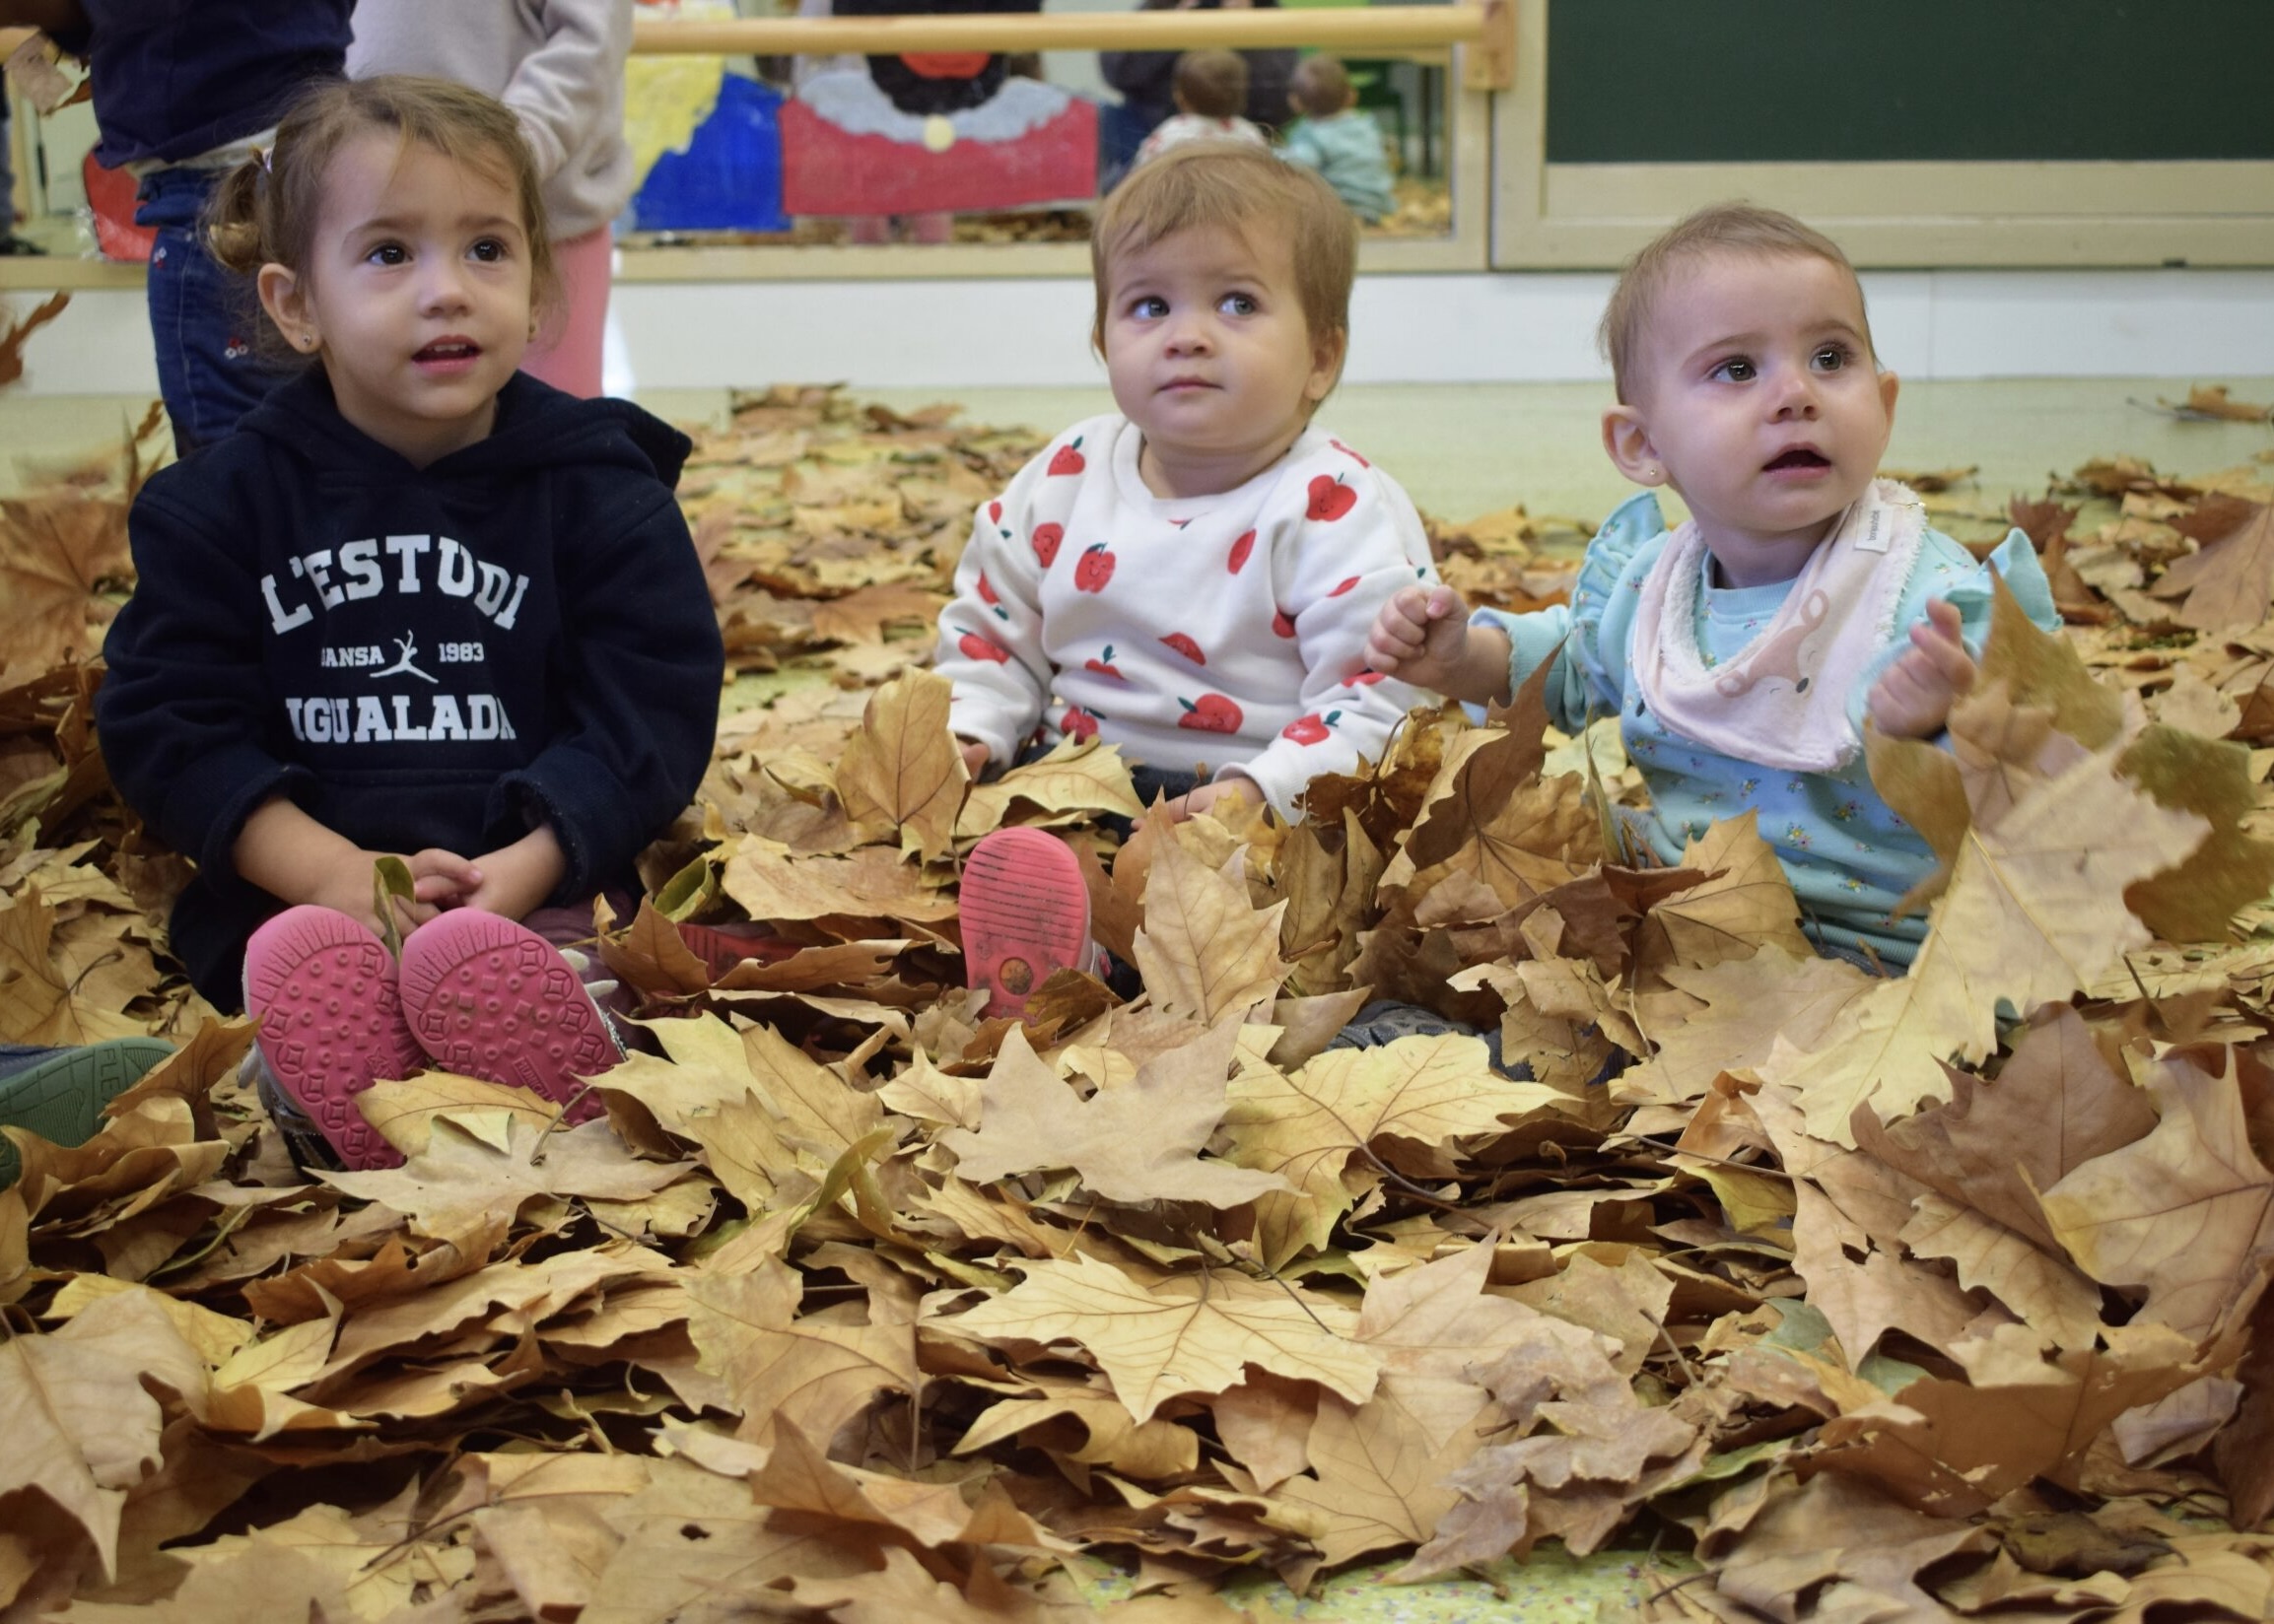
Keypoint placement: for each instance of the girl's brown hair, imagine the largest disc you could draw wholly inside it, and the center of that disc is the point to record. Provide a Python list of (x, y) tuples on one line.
[(266, 210), (1247, 190)]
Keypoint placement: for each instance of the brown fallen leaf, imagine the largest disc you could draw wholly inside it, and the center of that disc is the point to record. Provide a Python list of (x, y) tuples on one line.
[(2185, 1212), (1134, 1141), (901, 771), (2229, 580), (1171, 1335)]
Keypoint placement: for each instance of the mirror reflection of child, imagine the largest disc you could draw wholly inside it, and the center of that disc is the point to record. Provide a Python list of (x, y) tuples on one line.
[(1335, 139), (1743, 652), (1210, 87), (1192, 576)]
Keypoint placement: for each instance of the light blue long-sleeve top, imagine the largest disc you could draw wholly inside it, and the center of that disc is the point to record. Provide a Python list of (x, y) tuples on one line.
[(1347, 151), (1849, 857)]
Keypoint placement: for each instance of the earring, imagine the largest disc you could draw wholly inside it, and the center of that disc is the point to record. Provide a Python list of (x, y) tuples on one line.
[(306, 341)]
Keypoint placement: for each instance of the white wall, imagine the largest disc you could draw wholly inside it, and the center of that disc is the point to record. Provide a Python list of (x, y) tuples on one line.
[(1407, 329)]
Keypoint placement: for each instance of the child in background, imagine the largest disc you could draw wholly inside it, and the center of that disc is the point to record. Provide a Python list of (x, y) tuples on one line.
[(422, 604), (1192, 575), (1333, 138), (1743, 652), (1211, 88), (559, 64)]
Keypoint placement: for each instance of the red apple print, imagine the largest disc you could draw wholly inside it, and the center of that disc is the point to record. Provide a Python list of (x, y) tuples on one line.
[(1305, 730), (1046, 539), (1344, 587), (1281, 624), (1103, 665), (1068, 458), (994, 512), (1094, 569), (977, 647), (1185, 647), (1240, 551), (988, 598), (1364, 679), (1353, 455), (1077, 723), (1330, 499), (1211, 713)]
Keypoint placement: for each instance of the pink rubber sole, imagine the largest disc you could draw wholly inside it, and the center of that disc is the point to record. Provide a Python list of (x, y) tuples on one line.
[(1025, 914), (331, 1022), (489, 998)]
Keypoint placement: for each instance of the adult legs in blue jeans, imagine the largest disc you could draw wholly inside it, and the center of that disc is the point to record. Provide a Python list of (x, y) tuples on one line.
[(203, 322)]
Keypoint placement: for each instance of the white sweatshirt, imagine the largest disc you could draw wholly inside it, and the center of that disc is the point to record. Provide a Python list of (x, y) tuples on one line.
[(559, 64), (1218, 633)]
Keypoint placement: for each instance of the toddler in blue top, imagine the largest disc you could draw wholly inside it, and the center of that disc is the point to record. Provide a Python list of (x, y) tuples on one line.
[(1743, 652)]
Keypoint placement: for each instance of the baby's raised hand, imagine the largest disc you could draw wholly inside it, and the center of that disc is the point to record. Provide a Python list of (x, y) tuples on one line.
[(1419, 636), (1422, 636), (1914, 698)]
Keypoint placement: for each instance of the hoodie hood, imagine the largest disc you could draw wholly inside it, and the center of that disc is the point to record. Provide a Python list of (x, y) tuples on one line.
[(538, 427)]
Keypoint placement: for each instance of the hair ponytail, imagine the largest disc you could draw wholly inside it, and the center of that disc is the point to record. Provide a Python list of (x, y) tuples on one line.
[(233, 223)]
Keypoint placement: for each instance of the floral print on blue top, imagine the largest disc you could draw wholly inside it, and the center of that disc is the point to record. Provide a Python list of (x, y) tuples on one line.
[(1849, 857)]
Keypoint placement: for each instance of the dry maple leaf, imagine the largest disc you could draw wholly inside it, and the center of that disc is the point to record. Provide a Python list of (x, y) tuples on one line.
[(819, 1374), (2057, 1103), (1076, 776), (14, 334), (901, 770), (697, 1546), (1134, 1141), (82, 1428), (56, 548), (1952, 1447), (2033, 913), (2185, 1212), (1205, 950), (1435, 1327), (453, 1186), (2230, 580), (1174, 1334), (1417, 1093), (1379, 1483), (43, 998)]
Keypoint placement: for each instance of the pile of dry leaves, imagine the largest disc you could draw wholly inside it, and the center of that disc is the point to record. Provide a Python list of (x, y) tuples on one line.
[(1918, 1297)]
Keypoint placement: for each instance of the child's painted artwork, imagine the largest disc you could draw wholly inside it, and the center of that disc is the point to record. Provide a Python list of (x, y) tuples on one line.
[(728, 177), (932, 131)]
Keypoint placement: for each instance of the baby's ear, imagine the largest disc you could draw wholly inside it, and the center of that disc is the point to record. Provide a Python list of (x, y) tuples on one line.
[(1626, 440)]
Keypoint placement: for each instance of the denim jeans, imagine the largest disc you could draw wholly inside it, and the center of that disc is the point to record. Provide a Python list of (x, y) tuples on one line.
[(203, 322)]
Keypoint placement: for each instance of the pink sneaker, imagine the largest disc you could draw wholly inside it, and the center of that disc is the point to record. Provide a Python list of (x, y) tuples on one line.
[(1025, 915), (324, 989), (489, 998)]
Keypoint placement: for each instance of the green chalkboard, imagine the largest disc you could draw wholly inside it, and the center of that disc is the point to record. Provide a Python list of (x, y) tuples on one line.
[(1849, 81)]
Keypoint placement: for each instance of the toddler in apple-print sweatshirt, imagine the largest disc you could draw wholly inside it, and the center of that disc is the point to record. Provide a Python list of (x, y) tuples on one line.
[(1193, 577)]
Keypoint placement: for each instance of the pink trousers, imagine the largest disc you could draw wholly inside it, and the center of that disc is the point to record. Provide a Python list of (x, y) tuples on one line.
[(566, 352)]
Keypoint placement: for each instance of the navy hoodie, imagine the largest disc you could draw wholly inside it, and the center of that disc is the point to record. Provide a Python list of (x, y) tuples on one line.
[(175, 78), (518, 633)]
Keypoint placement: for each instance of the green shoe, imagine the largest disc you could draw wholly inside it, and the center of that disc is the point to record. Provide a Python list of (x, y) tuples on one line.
[(62, 1099)]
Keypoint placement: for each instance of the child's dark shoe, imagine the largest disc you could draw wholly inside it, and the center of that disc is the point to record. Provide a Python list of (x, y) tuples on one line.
[(489, 998), (1025, 914), (60, 1093), (325, 991)]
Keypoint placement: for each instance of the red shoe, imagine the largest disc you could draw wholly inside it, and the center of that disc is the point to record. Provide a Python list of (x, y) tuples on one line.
[(489, 998), (325, 991), (722, 947), (1025, 915)]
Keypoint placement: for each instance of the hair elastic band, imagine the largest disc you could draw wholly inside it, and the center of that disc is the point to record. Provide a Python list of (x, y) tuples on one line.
[(261, 154)]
